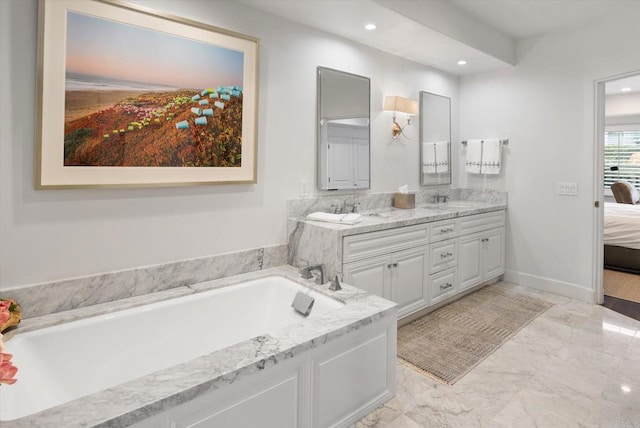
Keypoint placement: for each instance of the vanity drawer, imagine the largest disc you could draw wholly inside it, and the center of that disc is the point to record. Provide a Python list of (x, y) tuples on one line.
[(480, 222), (358, 247), (441, 230), (444, 255), (442, 285)]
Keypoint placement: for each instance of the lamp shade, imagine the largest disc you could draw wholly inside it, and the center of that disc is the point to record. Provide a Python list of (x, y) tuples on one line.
[(401, 104)]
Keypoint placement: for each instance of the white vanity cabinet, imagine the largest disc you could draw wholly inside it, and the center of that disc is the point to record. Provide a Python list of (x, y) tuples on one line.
[(426, 264), (481, 249), (393, 264)]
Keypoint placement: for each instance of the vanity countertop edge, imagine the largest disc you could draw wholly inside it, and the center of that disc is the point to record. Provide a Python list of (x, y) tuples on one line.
[(391, 218)]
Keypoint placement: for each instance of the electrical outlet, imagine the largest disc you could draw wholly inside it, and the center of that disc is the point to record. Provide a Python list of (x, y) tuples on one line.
[(304, 188), (568, 189)]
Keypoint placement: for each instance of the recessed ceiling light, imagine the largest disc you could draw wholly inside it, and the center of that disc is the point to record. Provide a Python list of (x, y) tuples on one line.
[(370, 27), (462, 62), (626, 89), (625, 389)]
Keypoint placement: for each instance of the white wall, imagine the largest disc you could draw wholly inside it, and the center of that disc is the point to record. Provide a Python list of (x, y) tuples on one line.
[(55, 234), (545, 106), (622, 109)]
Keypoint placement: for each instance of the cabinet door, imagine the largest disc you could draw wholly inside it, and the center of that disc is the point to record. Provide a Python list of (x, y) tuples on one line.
[(469, 261), (493, 253), (409, 288), (371, 275)]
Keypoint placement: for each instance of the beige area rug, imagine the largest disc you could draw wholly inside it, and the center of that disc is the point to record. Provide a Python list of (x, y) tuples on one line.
[(447, 343), (622, 285)]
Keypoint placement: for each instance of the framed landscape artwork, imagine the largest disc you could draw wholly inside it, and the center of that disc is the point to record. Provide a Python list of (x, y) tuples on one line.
[(132, 97)]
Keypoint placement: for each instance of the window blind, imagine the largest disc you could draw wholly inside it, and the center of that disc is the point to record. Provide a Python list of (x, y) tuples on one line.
[(621, 157)]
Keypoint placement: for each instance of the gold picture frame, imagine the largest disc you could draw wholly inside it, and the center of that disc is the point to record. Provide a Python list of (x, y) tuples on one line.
[(130, 97)]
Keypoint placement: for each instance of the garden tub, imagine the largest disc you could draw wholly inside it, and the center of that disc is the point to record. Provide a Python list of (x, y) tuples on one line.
[(119, 368)]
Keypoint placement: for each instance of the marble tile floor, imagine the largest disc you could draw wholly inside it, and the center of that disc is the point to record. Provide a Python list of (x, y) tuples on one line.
[(576, 365)]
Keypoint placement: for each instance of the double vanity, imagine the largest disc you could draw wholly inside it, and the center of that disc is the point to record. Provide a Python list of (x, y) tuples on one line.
[(419, 258)]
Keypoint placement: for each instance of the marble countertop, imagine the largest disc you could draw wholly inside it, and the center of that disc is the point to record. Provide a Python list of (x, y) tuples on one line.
[(389, 218), (138, 399)]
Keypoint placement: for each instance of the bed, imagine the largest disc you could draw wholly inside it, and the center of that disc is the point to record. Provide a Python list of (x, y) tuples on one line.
[(622, 237)]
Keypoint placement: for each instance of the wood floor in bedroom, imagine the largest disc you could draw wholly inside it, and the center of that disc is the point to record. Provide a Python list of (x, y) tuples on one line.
[(622, 306)]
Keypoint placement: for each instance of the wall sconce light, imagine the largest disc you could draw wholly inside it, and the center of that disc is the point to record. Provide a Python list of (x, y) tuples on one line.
[(402, 105)]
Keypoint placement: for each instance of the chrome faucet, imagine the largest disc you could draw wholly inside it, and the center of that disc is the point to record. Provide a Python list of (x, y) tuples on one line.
[(350, 206), (306, 273), (440, 198)]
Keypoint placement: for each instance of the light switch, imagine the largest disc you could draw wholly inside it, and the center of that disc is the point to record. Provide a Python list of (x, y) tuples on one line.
[(568, 189)]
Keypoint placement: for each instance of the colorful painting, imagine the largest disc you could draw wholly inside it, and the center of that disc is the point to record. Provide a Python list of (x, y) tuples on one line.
[(144, 95)]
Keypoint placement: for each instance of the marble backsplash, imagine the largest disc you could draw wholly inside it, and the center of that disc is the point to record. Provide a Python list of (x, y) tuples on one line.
[(56, 296), (297, 208)]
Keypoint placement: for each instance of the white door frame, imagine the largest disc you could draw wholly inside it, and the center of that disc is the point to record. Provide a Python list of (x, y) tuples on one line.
[(598, 191)]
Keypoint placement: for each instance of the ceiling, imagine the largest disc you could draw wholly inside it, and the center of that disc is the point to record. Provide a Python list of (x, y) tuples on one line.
[(438, 33), (615, 87), (524, 18)]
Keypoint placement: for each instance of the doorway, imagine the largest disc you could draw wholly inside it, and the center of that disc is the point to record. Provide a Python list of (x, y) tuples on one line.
[(617, 255)]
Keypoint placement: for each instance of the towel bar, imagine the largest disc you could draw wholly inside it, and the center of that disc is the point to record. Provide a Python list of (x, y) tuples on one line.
[(503, 142)]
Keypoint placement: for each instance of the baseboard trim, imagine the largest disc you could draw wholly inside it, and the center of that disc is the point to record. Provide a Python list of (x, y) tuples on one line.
[(551, 285)]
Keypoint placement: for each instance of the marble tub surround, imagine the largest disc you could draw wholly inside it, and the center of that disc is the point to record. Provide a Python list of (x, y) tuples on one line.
[(136, 400), (64, 295)]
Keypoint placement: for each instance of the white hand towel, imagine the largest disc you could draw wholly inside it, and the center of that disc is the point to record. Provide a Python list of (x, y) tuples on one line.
[(429, 158), (491, 157), (351, 218), (474, 156), (442, 156)]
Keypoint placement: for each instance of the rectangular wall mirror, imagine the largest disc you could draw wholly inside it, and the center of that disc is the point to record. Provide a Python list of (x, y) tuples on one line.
[(435, 139), (343, 136)]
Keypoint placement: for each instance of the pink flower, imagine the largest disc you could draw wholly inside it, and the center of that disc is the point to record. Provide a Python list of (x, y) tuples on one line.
[(4, 311), (7, 369)]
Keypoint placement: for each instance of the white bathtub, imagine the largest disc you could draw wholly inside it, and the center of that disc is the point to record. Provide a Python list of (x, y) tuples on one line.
[(69, 361)]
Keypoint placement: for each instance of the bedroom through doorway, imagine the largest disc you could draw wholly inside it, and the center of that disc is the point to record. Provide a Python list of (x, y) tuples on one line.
[(621, 222)]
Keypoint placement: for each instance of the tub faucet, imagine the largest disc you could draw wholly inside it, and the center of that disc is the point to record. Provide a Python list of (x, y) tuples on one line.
[(306, 273)]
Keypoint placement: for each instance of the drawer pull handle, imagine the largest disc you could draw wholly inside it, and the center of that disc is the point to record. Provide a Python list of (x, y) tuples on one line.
[(485, 239), (390, 265), (448, 229), (447, 285), (395, 265), (445, 255)]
